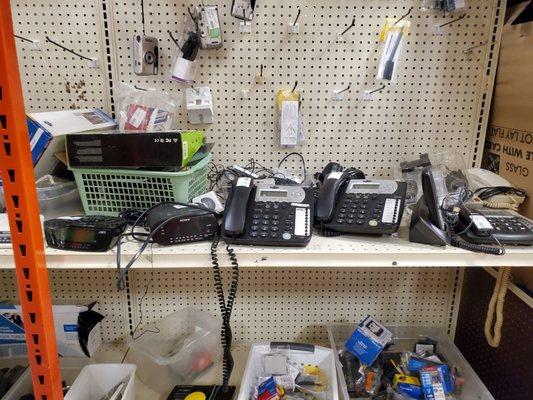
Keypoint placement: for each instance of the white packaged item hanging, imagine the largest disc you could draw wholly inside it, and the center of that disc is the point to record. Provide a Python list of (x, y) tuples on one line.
[(392, 36), (199, 103), (188, 43), (145, 109), (291, 127), (447, 6)]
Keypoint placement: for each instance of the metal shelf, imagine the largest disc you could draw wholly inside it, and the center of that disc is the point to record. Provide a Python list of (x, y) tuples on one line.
[(343, 251)]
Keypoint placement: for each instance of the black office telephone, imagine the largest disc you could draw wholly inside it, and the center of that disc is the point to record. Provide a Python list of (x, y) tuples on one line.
[(369, 206), (473, 228), (268, 215)]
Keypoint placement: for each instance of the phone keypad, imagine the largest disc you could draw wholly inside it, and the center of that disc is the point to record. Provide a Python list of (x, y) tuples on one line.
[(360, 209), (508, 225), (272, 220)]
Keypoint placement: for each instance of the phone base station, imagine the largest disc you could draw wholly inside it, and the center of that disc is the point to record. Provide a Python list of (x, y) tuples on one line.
[(422, 229)]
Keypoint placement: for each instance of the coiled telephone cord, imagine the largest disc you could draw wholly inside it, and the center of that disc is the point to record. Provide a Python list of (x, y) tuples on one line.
[(226, 307)]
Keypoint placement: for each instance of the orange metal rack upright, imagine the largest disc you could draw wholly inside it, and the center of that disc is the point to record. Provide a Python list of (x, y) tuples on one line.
[(23, 210)]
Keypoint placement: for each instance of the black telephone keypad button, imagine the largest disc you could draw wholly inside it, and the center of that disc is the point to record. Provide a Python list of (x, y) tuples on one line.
[(264, 234), (275, 217), (343, 210), (275, 206), (363, 207), (264, 228), (275, 223), (349, 221), (359, 222), (274, 228), (254, 234), (255, 227), (267, 206), (340, 221), (274, 235), (342, 215), (265, 222), (255, 221)]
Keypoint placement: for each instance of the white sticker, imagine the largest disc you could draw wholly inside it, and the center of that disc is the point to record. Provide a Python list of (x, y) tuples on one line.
[(178, 206), (184, 149), (138, 117), (481, 222), (244, 182), (299, 205), (334, 175)]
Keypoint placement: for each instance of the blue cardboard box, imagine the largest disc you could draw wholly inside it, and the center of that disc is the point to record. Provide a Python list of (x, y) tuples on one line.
[(47, 132), (368, 340)]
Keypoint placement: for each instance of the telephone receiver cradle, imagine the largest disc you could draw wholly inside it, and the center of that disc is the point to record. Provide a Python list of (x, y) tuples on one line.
[(422, 229)]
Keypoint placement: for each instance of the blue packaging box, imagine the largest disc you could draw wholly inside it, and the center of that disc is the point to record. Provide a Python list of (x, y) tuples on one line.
[(368, 340), (47, 132)]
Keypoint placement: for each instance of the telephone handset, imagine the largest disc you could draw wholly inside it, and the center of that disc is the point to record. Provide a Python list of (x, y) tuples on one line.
[(268, 215), (367, 206)]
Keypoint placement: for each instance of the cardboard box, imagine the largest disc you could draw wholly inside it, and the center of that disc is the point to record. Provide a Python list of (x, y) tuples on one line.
[(48, 129), (509, 142), (67, 327), (368, 340)]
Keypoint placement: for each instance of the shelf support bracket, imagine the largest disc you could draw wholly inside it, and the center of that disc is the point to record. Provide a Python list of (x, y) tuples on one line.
[(23, 212)]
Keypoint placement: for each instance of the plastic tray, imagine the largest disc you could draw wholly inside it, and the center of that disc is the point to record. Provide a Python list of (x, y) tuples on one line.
[(111, 191), (96, 380), (404, 338), (70, 368), (320, 356)]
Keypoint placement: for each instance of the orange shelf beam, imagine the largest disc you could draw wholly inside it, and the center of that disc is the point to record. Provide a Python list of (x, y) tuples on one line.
[(23, 211)]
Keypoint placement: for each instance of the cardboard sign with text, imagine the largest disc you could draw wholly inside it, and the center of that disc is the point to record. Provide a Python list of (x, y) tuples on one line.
[(509, 143)]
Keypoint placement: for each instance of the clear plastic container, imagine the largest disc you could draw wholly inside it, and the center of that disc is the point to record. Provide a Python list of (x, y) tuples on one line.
[(57, 197), (96, 380), (404, 339), (175, 349)]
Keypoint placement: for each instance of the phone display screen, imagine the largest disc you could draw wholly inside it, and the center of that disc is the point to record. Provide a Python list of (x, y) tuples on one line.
[(365, 186), (273, 193)]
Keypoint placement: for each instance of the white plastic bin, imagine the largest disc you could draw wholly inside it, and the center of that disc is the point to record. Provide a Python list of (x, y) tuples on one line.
[(70, 369), (175, 349), (317, 355), (404, 339), (96, 380)]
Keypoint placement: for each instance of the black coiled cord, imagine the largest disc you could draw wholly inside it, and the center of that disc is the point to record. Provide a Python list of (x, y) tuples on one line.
[(226, 307), (479, 248)]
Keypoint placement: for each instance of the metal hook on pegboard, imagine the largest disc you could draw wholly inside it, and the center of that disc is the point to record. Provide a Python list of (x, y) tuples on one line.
[(92, 61), (405, 15)]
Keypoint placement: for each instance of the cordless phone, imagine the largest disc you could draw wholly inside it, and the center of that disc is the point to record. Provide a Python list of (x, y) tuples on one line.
[(367, 206), (268, 215)]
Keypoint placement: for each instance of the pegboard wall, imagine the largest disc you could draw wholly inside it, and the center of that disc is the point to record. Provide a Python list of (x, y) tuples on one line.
[(272, 303), (438, 101), (294, 304)]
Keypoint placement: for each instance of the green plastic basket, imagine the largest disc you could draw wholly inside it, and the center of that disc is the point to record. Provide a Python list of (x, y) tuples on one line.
[(111, 191)]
